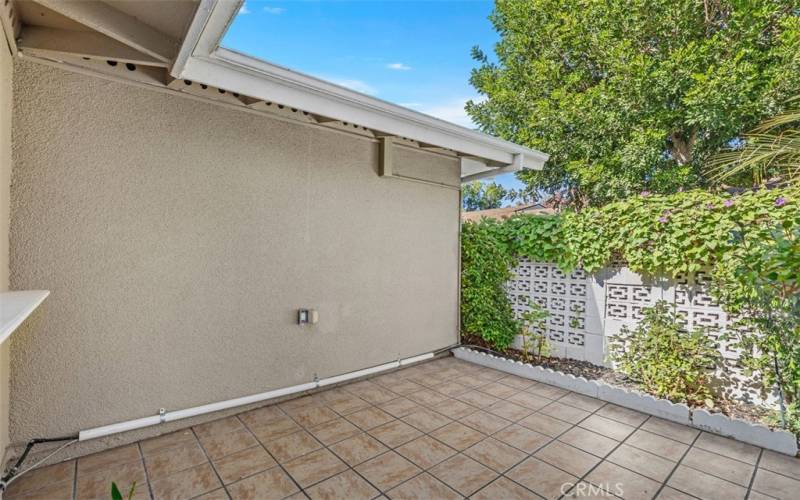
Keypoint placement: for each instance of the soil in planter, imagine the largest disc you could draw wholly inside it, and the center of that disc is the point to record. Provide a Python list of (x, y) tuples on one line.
[(589, 371)]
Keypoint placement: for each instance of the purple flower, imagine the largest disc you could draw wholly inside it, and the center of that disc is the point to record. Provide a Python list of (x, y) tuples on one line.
[(728, 203), (666, 212), (663, 219), (645, 193), (710, 206), (781, 201)]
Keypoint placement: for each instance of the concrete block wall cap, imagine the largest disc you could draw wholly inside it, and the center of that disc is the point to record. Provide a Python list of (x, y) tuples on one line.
[(777, 440)]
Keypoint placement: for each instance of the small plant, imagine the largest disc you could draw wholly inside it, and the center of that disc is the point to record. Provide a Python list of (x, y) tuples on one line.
[(532, 332), (117, 495), (665, 360)]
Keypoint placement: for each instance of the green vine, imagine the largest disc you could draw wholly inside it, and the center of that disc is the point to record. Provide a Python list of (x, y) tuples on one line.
[(652, 234)]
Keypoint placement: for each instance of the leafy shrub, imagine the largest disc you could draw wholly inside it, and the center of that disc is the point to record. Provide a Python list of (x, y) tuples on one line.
[(760, 283), (532, 333), (485, 268), (666, 361)]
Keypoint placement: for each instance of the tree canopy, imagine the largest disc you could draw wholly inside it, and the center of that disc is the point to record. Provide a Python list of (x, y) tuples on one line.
[(483, 195), (633, 95)]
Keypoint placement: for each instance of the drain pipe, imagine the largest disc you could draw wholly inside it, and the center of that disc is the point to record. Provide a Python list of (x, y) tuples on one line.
[(165, 416)]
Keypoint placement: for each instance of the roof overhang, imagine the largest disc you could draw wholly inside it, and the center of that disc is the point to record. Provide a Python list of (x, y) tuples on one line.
[(201, 58)]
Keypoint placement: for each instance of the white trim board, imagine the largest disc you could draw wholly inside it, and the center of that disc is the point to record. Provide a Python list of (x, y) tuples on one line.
[(201, 59)]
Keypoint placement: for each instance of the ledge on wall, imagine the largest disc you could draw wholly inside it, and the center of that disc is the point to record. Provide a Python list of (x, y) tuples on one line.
[(15, 307), (777, 440)]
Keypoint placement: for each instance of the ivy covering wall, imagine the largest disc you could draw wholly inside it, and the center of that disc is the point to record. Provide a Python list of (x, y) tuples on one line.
[(651, 234)]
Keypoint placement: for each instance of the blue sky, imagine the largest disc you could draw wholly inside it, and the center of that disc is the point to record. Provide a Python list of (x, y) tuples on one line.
[(413, 53)]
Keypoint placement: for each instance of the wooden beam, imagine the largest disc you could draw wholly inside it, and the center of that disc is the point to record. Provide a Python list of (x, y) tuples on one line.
[(10, 24), (121, 27), (385, 162), (55, 43)]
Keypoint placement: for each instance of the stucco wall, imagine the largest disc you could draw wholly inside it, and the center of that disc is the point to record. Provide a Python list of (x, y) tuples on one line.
[(6, 68), (178, 238)]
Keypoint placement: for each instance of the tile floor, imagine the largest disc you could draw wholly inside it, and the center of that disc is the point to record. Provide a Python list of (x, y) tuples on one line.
[(439, 430)]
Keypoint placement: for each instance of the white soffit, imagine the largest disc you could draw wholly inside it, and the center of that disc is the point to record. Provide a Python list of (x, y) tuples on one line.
[(201, 59)]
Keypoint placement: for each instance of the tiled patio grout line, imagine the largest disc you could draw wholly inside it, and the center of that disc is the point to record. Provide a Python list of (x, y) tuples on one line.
[(75, 482), (144, 466), (210, 462), (677, 464), (755, 471)]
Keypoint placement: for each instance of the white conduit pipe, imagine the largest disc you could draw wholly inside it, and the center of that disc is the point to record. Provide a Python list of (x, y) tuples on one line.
[(139, 423)]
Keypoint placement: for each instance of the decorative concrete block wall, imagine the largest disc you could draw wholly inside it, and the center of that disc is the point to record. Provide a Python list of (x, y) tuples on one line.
[(586, 309)]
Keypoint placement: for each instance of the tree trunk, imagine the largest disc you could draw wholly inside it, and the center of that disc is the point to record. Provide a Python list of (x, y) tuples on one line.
[(682, 146)]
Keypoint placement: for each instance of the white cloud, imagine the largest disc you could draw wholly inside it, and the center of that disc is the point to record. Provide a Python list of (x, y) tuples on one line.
[(352, 84), (275, 11), (452, 111), (398, 66), (243, 9)]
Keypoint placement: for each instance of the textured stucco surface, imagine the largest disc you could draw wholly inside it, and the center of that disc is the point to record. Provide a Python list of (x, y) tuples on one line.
[(178, 239), (6, 70)]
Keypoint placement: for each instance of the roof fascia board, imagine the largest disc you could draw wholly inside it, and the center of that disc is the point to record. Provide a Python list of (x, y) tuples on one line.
[(208, 63)]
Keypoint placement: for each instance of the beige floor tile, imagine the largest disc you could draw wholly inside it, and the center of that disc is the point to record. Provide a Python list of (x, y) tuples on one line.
[(503, 489), (495, 454), (584, 490), (485, 422), (346, 485), (276, 429), (717, 465), (676, 432), (498, 390), (528, 400), (220, 445), (405, 387), (426, 451), (567, 458), (478, 399), (423, 487), (672, 494), (564, 412), (517, 382), (457, 435), (628, 484), (171, 460), (50, 491), (97, 484), (42, 477), (270, 484), (754, 495), (395, 433), (657, 445), (783, 464), (370, 417), (374, 394), (622, 414), (261, 416), (776, 485), (243, 464), (728, 447), (463, 474), (314, 467), (509, 411), (220, 426), (313, 416), (292, 404), (454, 409), (358, 449), (587, 440), (702, 485), (347, 404), (545, 424), (583, 402), (426, 420), (427, 397), (388, 470), (643, 462), (547, 391), (334, 431), (186, 483), (166, 441), (522, 438), (607, 427), (400, 407), (542, 478), (109, 458), (292, 446), (218, 494)]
